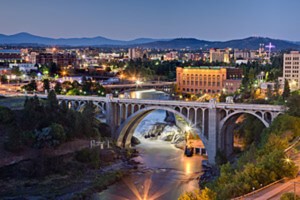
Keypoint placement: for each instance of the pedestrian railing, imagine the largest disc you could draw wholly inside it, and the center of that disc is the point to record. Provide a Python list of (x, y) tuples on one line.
[(258, 190), (101, 144)]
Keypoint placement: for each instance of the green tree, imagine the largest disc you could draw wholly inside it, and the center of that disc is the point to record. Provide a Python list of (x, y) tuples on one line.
[(46, 84), (58, 87), (6, 115), (269, 92), (108, 69), (289, 196), (75, 84), (205, 194), (276, 87), (58, 132), (53, 69), (3, 79), (89, 122), (30, 86), (52, 102), (16, 71), (14, 142), (286, 90), (293, 103)]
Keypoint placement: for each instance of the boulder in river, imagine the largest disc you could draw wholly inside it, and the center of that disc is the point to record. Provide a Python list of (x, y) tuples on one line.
[(135, 141)]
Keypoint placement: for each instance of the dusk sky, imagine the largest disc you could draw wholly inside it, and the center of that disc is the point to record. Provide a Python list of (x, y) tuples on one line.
[(129, 19)]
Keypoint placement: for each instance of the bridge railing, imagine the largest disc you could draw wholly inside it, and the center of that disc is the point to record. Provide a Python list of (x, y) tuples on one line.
[(259, 107)]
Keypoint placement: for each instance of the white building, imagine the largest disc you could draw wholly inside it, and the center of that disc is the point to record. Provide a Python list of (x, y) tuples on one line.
[(24, 67), (291, 69), (109, 56)]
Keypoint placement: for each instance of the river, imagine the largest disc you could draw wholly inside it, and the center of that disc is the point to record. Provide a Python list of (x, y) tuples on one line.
[(164, 172)]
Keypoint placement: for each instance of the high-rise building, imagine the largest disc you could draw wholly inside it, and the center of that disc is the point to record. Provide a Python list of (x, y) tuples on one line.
[(135, 53), (201, 80), (62, 60), (291, 69), (219, 55)]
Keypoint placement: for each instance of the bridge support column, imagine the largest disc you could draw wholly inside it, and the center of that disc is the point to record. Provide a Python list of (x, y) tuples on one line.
[(110, 114), (212, 133), (126, 111), (203, 121), (121, 114), (196, 120)]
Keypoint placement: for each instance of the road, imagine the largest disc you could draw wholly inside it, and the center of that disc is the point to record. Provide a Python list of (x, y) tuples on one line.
[(275, 192)]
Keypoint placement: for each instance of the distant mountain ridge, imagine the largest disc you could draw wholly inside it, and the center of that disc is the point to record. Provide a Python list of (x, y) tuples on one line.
[(21, 38), (251, 43), (179, 43)]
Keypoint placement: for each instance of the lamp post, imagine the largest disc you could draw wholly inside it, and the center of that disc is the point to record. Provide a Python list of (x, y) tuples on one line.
[(138, 82)]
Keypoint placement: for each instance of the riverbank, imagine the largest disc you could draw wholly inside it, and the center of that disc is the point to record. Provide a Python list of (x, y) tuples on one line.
[(66, 176)]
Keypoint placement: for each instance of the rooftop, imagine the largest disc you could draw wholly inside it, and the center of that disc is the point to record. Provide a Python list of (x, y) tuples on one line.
[(206, 67), (10, 51)]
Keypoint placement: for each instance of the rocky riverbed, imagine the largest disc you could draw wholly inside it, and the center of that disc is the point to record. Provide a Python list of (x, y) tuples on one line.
[(160, 125)]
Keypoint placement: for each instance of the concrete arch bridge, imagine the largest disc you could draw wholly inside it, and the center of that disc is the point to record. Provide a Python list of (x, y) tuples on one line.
[(212, 121)]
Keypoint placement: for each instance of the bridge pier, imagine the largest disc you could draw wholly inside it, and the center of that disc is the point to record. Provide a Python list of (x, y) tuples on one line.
[(111, 114), (213, 133)]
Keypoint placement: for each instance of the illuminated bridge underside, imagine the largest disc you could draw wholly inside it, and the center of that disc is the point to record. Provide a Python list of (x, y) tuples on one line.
[(211, 121)]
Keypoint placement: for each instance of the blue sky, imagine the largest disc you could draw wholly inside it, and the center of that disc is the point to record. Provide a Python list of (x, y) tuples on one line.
[(129, 19)]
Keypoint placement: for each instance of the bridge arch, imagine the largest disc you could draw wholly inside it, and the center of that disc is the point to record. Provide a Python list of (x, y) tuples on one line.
[(225, 136), (126, 129), (240, 112)]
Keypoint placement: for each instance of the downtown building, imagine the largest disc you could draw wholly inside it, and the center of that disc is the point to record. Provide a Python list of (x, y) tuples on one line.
[(136, 53), (10, 56), (208, 80), (61, 59), (219, 55), (291, 69)]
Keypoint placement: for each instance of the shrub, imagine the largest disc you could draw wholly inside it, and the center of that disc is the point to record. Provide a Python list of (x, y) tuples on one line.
[(57, 132), (50, 136), (205, 194), (6, 115), (289, 196), (89, 156), (14, 142)]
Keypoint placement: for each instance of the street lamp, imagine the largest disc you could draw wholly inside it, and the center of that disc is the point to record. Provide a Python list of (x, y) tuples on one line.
[(288, 160), (138, 82), (187, 128)]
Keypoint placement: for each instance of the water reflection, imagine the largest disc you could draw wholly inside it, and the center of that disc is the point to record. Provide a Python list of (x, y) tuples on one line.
[(165, 173)]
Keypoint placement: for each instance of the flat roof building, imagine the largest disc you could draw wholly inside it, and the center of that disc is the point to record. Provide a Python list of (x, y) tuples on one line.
[(204, 79), (291, 69)]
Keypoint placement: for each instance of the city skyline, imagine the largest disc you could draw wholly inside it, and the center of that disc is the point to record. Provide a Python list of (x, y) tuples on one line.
[(161, 20)]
